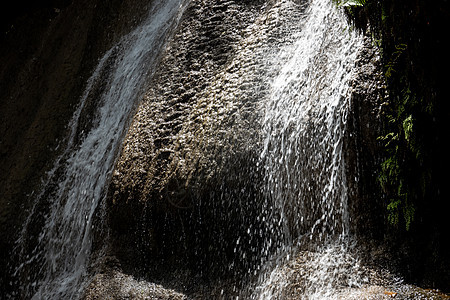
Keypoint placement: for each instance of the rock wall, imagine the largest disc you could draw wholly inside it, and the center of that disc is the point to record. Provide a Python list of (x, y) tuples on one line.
[(184, 133), (186, 185), (362, 145)]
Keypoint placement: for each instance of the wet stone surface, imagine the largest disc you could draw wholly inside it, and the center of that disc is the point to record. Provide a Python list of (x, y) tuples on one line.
[(117, 285), (338, 273), (182, 179)]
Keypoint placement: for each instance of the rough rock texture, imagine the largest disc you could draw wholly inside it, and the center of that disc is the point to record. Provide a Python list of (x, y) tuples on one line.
[(110, 283), (121, 286), (195, 137), (180, 189), (180, 192), (46, 56), (338, 273)]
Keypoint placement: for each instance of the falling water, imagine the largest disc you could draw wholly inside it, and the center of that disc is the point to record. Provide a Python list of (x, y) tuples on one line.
[(57, 264), (304, 125), (302, 159)]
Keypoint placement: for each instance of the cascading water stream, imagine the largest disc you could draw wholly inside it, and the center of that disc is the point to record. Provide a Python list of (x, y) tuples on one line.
[(303, 133), (304, 126), (57, 265)]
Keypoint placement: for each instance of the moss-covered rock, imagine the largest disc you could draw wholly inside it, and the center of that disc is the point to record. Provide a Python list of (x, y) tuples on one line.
[(411, 173)]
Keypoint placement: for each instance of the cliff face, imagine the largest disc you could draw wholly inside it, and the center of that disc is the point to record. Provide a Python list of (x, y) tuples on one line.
[(186, 184), (46, 54)]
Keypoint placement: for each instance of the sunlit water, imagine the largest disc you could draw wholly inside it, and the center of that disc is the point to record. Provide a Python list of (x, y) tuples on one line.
[(304, 125), (57, 265)]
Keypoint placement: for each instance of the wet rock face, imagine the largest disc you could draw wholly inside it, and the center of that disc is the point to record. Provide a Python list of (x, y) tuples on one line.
[(308, 275), (115, 285), (362, 147), (186, 185), (182, 136), (46, 57)]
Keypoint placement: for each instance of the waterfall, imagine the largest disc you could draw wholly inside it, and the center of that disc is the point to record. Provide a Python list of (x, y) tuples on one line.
[(304, 125), (302, 160), (277, 110), (55, 264)]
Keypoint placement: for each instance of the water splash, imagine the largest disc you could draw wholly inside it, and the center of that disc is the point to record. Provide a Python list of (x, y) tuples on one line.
[(58, 262)]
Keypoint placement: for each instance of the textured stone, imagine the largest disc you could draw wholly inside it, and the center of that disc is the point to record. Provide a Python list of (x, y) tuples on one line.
[(186, 185)]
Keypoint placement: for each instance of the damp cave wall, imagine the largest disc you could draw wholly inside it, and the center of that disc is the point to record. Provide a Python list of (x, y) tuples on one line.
[(411, 37), (412, 167)]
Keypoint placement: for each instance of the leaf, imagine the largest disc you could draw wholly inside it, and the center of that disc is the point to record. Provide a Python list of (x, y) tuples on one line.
[(408, 127)]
